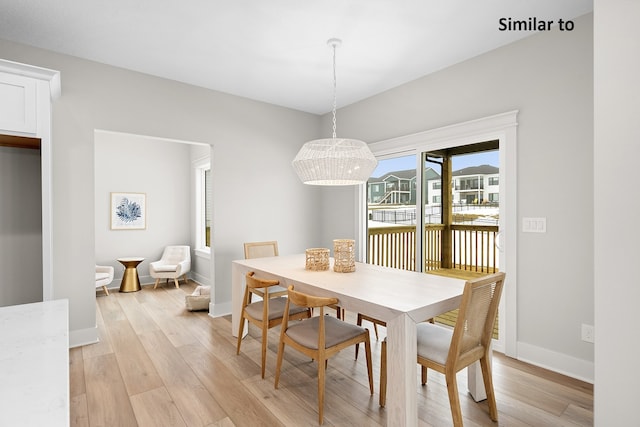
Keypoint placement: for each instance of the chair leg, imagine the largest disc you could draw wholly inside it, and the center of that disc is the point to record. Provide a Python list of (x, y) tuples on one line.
[(156, 285), (240, 329), (177, 284), (106, 291), (383, 374), (321, 380), (279, 363), (265, 331), (359, 323), (454, 400), (485, 365), (367, 350), (184, 277), (424, 374)]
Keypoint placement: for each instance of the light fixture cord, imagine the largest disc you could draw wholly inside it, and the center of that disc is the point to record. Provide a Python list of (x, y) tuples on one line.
[(334, 91)]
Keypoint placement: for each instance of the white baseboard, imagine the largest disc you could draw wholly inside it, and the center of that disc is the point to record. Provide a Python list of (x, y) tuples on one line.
[(200, 279), (80, 337), (561, 363), (220, 309)]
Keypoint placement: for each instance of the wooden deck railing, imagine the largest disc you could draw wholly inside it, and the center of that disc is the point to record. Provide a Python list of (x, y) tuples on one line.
[(473, 247), (393, 247), (473, 251)]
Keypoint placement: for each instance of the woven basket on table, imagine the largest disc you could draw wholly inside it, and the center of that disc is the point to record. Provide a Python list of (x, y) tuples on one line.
[(317, 259), (344, 255)]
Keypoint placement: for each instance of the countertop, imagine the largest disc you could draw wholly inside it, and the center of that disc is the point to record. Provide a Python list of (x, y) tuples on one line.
[(34, 364)]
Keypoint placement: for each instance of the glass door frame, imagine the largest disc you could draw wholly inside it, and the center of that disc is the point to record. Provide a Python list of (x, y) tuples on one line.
[(501, 127)]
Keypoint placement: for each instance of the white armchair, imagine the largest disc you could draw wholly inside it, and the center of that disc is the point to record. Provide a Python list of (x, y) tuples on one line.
[(175, 263), (104, 276)]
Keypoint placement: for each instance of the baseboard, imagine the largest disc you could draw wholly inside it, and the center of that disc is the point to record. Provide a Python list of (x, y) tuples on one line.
[(220, 309), (200, 279), (561, 363), (80, 337)]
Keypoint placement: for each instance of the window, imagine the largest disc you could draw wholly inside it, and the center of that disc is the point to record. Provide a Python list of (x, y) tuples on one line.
[(494, 197), (493, 180), (437, 199), (204, 204), (437, 185)]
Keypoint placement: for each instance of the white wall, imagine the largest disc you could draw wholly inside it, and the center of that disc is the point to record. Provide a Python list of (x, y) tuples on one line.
[(20, 226), (617, 150), (256, 192), (548, 77), (161, 170)]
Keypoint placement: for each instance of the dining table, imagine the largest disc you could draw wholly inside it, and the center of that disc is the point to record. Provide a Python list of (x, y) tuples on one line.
[(401, 298)]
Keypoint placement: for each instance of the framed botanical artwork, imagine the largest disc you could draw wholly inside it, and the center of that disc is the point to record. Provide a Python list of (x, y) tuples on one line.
[(128, 211)]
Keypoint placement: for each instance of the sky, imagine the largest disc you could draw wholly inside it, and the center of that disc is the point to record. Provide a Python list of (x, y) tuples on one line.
[(458, 162)]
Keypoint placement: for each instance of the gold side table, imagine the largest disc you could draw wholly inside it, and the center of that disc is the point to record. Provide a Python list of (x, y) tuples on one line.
[(130, 280)]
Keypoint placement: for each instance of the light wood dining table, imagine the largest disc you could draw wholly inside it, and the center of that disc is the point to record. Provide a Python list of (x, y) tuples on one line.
[(400, 298)]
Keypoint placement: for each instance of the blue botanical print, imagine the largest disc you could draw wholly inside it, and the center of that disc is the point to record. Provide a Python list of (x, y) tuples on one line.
[(128, 211)]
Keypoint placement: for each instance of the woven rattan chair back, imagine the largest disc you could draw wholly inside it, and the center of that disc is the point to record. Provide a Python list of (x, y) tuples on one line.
[(260, 249)]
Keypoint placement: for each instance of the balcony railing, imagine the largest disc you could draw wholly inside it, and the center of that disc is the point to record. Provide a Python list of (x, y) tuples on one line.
[(393, 247), (473, 251), (473, 247)]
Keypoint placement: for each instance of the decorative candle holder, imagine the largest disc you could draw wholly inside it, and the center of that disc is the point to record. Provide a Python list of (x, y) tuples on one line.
[(317, 259), (344, 255)]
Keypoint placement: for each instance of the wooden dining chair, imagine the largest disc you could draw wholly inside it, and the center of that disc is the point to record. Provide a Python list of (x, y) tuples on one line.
[(319, 338), (449, 350), (270, 248), (375, 322), (266, 316)]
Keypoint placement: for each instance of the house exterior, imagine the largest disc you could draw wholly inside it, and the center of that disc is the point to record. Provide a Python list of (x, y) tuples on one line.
[(476, 185), (394, 188), (471, 185)]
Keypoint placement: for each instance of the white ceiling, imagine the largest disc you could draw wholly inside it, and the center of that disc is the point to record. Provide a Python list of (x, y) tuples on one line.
[(275, 50)]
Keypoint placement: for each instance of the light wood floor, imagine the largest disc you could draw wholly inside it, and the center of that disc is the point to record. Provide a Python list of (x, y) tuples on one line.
[(159, 365)]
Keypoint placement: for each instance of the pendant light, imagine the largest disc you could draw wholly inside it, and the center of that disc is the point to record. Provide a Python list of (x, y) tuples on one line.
[(334, 161)]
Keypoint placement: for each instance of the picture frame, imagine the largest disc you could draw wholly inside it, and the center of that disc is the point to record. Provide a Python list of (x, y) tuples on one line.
[(128, 211)]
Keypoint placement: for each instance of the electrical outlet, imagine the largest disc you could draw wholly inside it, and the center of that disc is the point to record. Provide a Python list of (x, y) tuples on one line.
[(588, 333)]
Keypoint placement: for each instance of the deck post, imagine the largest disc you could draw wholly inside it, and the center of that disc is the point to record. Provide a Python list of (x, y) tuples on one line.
[(447, 215)]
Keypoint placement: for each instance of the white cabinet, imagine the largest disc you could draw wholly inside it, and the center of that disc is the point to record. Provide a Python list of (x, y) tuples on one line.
[(18, 104)]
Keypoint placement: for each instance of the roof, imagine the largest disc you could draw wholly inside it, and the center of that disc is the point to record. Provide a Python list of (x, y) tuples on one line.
[(476, 170), (405, 174), (432, 174)]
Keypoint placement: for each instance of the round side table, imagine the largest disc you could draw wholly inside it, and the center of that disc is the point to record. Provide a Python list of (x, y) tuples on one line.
[(130, 280)]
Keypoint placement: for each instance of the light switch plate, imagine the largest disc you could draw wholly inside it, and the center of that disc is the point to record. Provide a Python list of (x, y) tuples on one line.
[(534, 225)]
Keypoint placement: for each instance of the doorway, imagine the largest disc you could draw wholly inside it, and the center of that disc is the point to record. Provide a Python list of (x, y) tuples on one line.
[(21, 242), (164, 170)]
